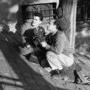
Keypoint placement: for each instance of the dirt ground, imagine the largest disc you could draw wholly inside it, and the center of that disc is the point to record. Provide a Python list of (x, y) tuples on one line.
[(17, 73)]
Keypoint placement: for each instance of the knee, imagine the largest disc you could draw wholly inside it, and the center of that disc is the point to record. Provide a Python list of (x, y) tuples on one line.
[(50, 55), (71, 62)]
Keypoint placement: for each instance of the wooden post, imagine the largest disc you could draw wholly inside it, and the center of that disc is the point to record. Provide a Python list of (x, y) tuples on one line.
[(73, 24), (68, 19)]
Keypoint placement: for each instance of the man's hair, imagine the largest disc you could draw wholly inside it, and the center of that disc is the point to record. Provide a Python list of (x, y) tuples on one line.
[(56, 22), (39, 15)]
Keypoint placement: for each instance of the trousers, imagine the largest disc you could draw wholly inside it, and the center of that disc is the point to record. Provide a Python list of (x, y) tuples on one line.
[(59, 61)]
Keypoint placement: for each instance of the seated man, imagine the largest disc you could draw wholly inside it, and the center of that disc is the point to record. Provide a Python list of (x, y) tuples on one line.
[(35, 36), (59, 54)]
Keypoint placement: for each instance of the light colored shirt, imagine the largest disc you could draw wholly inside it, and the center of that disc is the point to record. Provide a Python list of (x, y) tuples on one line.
[(62, 44)]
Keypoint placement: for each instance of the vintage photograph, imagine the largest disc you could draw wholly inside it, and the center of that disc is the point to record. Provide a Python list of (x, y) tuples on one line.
[(44, 45)]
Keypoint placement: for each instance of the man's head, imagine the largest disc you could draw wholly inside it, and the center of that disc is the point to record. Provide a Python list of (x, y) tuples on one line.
[(52, 27), (37, 19)]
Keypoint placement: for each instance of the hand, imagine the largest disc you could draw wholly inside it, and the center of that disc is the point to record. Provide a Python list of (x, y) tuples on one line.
[(44, 44)]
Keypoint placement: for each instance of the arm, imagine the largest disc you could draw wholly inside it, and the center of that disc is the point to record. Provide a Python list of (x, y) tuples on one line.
[(60, 42), (58, 48), (39, 36)]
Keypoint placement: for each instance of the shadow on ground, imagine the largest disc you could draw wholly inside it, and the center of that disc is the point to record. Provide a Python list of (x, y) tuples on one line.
[(27, 79)]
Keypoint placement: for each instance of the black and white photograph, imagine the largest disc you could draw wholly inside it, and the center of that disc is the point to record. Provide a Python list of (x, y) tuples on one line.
[(44, 45)]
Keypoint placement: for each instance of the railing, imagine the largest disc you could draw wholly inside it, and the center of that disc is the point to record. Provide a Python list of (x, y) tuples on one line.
[(83, 13), (47, 10)]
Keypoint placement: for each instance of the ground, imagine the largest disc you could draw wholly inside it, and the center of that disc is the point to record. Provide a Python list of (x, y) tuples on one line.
[(16, 73)]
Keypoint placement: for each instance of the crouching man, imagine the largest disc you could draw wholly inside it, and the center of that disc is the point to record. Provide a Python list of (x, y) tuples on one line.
[(59, 55)]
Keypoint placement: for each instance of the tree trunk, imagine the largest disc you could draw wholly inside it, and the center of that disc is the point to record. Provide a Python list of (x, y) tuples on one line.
[(68, 19)]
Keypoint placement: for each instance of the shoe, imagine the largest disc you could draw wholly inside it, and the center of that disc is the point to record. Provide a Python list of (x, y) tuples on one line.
[(54, 72)]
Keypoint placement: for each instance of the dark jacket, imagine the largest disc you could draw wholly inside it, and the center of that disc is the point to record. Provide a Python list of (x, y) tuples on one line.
[(34, 36)]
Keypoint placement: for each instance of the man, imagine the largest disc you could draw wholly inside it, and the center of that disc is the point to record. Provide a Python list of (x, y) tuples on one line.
[(59, 54), (35, 36)]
